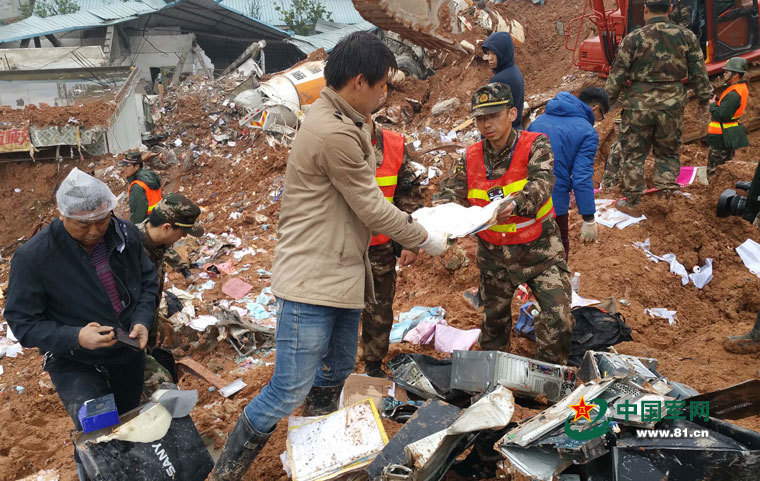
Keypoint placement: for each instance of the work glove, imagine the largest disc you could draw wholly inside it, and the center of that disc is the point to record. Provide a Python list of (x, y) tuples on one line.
[(185, 271), (436, 243), (588, 231)]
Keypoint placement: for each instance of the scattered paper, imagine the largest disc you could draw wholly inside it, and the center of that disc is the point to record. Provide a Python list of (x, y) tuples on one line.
[(608, 216), (663, 313), (232, 388), (675, 266), (236, 288), (749, 252), (578, 301), (200, 323), (704, 274)]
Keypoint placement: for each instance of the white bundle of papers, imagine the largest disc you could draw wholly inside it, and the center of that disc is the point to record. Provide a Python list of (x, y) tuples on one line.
[(456, 220)]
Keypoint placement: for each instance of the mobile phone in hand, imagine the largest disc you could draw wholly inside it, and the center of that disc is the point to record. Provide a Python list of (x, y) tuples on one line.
[(123, 337)]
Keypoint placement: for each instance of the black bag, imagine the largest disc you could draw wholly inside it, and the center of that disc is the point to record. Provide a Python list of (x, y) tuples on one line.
[(596, 330), (179, 456)]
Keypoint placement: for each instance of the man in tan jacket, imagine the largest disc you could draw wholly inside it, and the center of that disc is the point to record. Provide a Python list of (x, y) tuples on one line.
[(330, 207)]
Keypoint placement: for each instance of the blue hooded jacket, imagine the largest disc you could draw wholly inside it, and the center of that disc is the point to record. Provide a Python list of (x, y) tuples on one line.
[(506, 71), (569, 124)]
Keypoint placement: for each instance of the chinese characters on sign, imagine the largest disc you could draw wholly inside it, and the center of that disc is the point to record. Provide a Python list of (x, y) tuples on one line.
[(14, 140), (656, 411)]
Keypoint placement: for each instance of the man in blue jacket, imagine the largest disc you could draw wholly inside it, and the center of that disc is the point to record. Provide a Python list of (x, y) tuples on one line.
[(499, 50), (569, 124), (72, 286)]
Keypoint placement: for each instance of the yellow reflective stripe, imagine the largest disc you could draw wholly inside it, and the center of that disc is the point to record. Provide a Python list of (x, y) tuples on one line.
[(545, 209), (507, 189), (389, 199), (504, 228), (725, 125), (387, 181), (151, 207)]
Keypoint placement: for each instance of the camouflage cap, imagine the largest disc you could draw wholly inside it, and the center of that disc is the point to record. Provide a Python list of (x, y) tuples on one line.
[(180, 212), (131, 157), (491, 98)]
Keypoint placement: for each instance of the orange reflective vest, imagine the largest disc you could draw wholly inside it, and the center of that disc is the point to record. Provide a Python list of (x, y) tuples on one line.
[(519, 230), (387, 173), (716, 128), (153, 195)]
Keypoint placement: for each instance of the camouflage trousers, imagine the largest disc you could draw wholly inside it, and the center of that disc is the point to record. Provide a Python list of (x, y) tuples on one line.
[(377, 317), (154, 374), (553, 325), (611, 178), (640, 131), (718, 156)]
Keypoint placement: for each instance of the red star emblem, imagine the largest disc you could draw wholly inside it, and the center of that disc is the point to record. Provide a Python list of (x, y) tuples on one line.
[(582, 410)]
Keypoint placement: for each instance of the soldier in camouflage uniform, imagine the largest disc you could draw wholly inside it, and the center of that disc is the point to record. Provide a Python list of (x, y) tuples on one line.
[(172, 219), (654, 59), (611, 177), (377, 317), (724, 133), (525, 245), (681, 13)]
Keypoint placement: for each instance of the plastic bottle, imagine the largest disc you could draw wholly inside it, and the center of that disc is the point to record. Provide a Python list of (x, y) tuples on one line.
[(575, 282)]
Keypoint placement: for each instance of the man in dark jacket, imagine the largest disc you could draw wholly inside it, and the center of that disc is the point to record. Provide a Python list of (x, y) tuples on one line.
[(569, 124), (500, 53), (72, 286)]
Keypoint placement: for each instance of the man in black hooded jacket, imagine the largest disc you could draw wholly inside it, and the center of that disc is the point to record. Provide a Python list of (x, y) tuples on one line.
[(500, 53)]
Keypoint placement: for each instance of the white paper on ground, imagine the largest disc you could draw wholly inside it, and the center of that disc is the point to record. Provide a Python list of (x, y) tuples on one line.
[(662, 313), (200, 323), (578, 301), (675, 266), (705, 274), (749, 251), (457, 220), (610, 217)]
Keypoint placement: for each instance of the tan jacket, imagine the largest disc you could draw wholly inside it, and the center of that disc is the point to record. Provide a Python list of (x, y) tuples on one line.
[(330, 205)]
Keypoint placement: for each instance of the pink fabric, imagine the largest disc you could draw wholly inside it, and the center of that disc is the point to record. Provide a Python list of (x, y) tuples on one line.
[(236, 288), (687, 175), (423, 333), (449, 339)]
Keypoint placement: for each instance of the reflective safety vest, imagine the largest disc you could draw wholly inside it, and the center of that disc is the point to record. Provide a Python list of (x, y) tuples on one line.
[(387, 173), (153, 195), (717, 128), (519, 230)]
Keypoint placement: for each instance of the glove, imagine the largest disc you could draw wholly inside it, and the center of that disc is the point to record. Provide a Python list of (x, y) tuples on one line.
[(185, 271), (436, 243), (588, 231)]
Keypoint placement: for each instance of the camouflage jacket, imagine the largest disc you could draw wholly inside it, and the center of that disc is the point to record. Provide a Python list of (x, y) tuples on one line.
[(158, 255), (654, 59), (681, 14), (521, 261)]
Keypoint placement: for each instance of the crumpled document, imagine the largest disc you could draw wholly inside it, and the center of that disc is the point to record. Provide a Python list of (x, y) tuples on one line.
[(459, 221), (675, 266), (663, 313), (749, 251)]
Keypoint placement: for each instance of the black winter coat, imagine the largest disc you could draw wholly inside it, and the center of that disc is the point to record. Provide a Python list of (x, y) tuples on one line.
[(54, 291)]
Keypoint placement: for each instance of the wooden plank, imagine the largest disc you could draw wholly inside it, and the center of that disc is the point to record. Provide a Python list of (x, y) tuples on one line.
[(197, 369)]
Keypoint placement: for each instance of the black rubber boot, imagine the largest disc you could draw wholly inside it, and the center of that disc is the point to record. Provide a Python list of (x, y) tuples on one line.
[(748, 343), (322, 400), (374, 369), (242, 446)]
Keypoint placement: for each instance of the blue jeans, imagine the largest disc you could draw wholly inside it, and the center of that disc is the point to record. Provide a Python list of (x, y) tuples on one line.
[(316, 346)]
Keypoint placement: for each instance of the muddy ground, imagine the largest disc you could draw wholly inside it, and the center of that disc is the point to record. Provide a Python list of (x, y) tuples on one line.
[(245, 178)]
